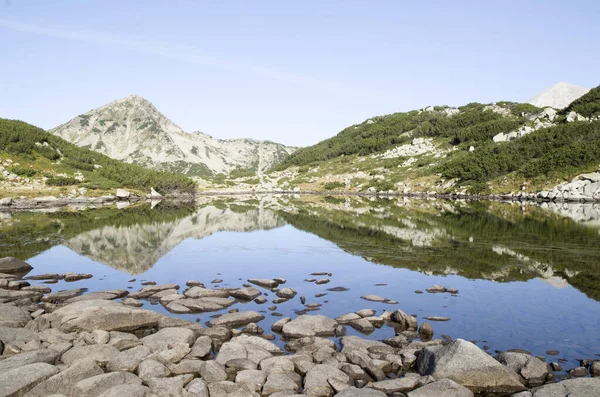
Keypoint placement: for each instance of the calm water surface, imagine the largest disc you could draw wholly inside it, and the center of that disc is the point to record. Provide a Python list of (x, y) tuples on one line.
[(528, 277)]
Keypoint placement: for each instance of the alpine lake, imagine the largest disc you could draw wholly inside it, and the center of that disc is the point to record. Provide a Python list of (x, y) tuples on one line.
[(527, 274)]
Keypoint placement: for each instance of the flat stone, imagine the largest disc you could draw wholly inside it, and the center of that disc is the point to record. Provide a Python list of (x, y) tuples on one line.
[(18, 381), (245, 293), (310, 325), (201, 347), (150, 290), (364, 392), (96, 385), (374, 298), (196, 305), (276, 364), (99, 295), (366, 312), (15, 266), (405, 384), (60, 296), (213, 371), (581, 387), (167, 386), (126, 391), (443, 387), (437, 318), (44, 276), (316, 381), (63, 381), (70, 277), (105, 315), (13, 316), (129, 360), (151, 368), (199, 292), (168, 337), (236, 319), (279, 382), (265, 283), (226, 389), (197, 388), (466, 364), (253, 379), (123, 340), (15, 295), (362, 325), (187, 367), (346, 318), (48, 356), (100, 353)]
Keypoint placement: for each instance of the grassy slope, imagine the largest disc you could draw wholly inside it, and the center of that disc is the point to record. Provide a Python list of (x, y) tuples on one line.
[(41, 154), (542, 159)]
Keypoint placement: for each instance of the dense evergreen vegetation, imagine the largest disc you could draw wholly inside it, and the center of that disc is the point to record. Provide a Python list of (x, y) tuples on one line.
[(561, 148), (31, 144), (472, 124), (588, 105)]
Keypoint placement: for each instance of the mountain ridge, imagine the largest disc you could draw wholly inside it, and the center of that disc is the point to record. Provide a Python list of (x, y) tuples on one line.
[(558, 96), (133, 130)]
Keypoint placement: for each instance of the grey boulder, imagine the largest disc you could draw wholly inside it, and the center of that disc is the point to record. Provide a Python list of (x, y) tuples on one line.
[(532, 370), (467, 365), (309, 325), (17, 381)]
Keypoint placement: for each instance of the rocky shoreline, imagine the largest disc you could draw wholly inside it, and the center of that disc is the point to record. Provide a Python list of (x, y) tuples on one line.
[(73, 343), (49, 202)]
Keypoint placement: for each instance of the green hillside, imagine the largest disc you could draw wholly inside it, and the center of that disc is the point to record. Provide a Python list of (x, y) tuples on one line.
[(550, 150), (41, 155)]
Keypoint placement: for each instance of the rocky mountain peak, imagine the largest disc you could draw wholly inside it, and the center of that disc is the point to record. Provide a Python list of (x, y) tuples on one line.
[(558, 96), (133, 130)]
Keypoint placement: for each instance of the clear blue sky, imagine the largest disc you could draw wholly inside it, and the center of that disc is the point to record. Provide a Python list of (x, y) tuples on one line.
[(294, 72)]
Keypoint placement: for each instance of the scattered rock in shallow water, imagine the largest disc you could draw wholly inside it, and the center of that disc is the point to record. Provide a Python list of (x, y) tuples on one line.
[(426, 331), (246, 294), (70, 277), (407, 322), (310, 280), (46, 276), (14, 266), (319, 274), (374, 298), (309, 325), (63, 295), (436, 318), (338, 289), (194, 283), (286, 293), (418, 291), (578, 372), (319, 295), (262, 282), (260, 300), (552, 352), (216, 281), (435, 289), (322, 281), (236, 319), (148, 283)]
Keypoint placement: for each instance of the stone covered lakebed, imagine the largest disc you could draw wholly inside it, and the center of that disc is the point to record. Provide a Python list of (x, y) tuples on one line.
[(282, 295)]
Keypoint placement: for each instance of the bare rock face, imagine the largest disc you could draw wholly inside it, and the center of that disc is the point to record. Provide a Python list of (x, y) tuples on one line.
[(467, 365), (13, 316), (10, 265), (105, 315), (131, 129), (558, 96)]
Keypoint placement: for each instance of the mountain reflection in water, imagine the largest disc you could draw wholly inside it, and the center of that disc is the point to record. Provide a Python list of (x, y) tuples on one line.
[(504, 242)]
